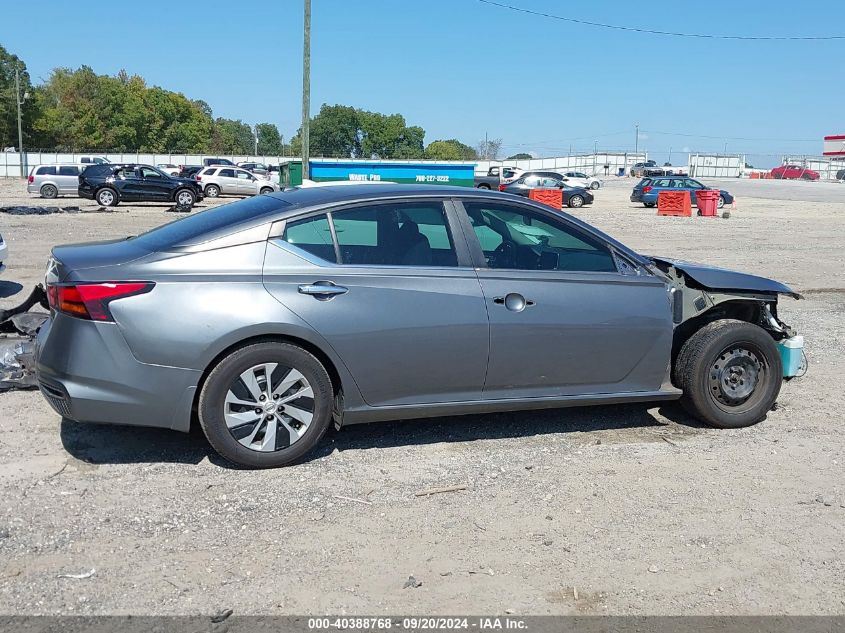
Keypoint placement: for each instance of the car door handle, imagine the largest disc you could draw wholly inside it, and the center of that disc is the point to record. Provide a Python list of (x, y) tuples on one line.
[(322, 290), (514, 302)]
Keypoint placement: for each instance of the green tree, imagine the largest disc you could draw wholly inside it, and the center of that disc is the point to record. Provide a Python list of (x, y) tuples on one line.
[(269, 139), (451, 149), (8, 104), (388, 136), (232, 137), (520, 156)]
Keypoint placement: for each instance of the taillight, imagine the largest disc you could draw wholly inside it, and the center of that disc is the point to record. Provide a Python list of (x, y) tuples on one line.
[(91, 301), (646, 189), (502, 187), (198, 177), (31, 179)]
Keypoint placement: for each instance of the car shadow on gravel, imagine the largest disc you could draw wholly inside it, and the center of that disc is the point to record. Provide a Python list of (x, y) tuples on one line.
[(111, 444)]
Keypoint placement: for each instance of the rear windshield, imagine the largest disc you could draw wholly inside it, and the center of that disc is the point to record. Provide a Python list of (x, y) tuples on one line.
[(201, 227)]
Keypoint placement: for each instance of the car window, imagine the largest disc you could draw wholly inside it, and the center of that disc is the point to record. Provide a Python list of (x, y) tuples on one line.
[(531, 181), (402, 234), (149, 172), (312, 235), (549, 181), (693, 184), (226, 173), (519, 238), (661, 182), (126, 172), (68, 170), (46, 171), (243, 175)]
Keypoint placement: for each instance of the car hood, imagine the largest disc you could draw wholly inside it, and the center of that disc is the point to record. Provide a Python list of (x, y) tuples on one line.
[(184, 181), (716, 278)]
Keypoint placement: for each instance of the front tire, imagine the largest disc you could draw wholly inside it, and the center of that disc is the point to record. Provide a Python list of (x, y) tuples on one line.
[(266, 405), (107, 197), (185, 198), (721, 201), (649, 205), (266, 190), (576, 202), (730, 372), (483, 185), (49, 191)]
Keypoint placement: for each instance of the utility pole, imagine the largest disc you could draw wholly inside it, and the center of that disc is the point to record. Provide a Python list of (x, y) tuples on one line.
[(306, 91), (637, 139), (670, 155), (20, 101), (256, 140)]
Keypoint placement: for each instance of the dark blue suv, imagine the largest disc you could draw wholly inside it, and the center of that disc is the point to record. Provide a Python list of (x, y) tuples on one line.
[(647, 189)]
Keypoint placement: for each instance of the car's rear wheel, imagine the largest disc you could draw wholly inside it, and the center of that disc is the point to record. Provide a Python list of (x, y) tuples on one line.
[(266, 404), (49, 191), (107, 197), (212, 191), (483, 185), (266, 190), (730, 372), (650, 205), (185, 198), (595, 185), (576, 202)]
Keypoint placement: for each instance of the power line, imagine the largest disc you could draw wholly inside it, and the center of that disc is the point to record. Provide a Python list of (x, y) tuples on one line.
[(708, 36), (736, 138)]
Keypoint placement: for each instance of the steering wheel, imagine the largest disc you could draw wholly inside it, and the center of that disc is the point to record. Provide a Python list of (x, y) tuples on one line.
[(504, 256)]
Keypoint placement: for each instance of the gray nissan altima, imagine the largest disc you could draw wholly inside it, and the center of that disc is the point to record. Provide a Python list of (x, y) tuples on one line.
[(269, 318)]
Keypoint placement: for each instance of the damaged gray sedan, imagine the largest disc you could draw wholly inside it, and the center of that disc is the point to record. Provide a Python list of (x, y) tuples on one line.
[(269, 318)]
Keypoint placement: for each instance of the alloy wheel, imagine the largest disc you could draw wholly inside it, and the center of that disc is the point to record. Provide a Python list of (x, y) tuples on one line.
[(105, 198), (185, 198), (269, 407)]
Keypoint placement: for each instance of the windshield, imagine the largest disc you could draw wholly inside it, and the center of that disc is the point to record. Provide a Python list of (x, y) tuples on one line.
[(210, 223)]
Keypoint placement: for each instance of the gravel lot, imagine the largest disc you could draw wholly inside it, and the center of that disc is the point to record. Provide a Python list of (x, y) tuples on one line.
[(619, 510)]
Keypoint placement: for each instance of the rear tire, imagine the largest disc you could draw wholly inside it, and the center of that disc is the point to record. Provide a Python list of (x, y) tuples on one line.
[(594, 185), (483, 185), (650, 205), (730, 372), (212, 191), (107, 197), (266, 190), (292, 371), (49, 191)]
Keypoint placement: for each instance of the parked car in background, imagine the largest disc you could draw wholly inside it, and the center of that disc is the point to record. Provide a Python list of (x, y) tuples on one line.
[(223, 180), (647, 168), (51, 181), (206, 162), (580, 179), (4, 253), (94, 160), (794, 172), (573, 197), (112, 184), (496, 176), (189, 171), (840, 175), (291, 311), (647, 190), (170, 170), (259, 169)]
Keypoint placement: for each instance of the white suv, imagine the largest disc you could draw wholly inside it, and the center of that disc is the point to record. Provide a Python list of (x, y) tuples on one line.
[(227, 180), (580, 179)]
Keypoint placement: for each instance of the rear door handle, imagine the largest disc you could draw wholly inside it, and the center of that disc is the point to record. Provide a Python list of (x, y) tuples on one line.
[(514, 302), (322, 290)]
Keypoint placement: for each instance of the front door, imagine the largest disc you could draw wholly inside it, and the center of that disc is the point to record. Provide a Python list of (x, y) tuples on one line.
[(393, 293), (156, 185), (246, 183), (564, 320), (228, 181)]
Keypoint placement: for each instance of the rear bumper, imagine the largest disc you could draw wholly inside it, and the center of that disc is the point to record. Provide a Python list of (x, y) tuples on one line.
[(87, 373), (85, 192)]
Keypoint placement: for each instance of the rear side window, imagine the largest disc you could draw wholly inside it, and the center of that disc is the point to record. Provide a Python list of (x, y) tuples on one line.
[(47, 171), (312, 235), (68, 170), (226, 173)]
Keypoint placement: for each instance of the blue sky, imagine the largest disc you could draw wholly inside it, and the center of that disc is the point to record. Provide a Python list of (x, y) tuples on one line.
[(460, 68)]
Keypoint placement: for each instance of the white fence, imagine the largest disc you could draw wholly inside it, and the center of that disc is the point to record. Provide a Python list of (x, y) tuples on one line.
[(827, 167), (10, 162), (716, 165), (592, 164)]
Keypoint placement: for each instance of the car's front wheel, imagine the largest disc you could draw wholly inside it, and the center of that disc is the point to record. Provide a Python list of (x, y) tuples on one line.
[(265, 190), (721, 201), (185, 198), (107, 197), (650, 205), (576, 201), (212, 191), (730, 372), (266, 404)]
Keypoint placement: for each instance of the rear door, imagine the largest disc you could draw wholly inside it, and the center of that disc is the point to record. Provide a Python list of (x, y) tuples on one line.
[(391, 287), (130, 184), (67, 179), (565, 318)]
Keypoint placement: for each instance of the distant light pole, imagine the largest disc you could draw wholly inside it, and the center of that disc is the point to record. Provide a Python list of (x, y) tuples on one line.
[(306, 90), (726, 147), (670, 155), (19, 101), (637, 139)]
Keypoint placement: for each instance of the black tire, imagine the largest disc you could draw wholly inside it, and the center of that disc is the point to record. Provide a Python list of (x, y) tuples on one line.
[(575, 202), (49, 191), (594, 185), (107, 197), (483, 185), (650, 205), (188, 198), (721, 201), (265, 190), (723, 353), (225, 374), (212, 191)]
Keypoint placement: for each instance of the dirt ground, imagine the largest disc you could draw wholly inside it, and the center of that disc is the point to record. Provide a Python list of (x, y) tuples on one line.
[(609, 510)]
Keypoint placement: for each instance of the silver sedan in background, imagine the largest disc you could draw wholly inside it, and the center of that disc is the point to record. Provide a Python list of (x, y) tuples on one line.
[(272, 316)]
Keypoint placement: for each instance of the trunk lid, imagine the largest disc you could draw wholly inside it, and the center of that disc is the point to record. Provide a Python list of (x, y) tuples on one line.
[(69, 262)]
